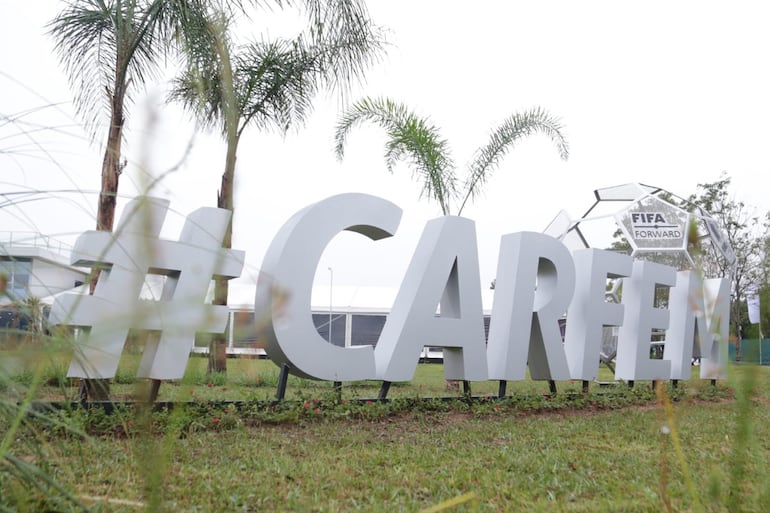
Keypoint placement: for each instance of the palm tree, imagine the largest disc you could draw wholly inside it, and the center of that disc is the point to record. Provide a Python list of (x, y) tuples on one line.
[(270, 84), (416, 141), (110, 48)]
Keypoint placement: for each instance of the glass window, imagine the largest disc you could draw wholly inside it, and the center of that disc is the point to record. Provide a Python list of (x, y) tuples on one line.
[(321, 322), (17, 272), (366, 329)]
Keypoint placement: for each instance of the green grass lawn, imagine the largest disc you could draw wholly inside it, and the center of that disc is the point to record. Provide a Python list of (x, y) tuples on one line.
[(247, 379), (596, 453)]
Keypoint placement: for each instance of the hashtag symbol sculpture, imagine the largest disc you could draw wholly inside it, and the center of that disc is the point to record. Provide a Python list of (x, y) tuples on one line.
[(126, 257)]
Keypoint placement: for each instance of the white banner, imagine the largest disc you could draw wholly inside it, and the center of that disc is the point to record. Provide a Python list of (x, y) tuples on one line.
[(752, 300)]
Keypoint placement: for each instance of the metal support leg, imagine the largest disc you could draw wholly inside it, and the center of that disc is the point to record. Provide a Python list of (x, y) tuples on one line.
[(338, 390), (501, 386), (83, 392), (466, 388), (585, 386), (154, 390), (283, 377), (552, 386), (383, 391)]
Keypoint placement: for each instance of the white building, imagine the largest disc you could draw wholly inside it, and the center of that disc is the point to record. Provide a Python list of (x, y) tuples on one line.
[(36, 265)]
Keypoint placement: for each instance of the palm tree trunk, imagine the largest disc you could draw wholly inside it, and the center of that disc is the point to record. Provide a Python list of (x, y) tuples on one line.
[(111, 167), (99, 389), (218, 344)]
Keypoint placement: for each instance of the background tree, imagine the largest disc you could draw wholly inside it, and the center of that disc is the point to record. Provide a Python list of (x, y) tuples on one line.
[(741, 226), (417, 141), (110, 49), (269, 84), (747, 236)]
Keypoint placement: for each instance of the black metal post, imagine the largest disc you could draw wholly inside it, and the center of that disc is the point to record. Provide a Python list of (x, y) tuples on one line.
[(154, 390), (384, 388), (83, 392), (283, 377), (501, 386)]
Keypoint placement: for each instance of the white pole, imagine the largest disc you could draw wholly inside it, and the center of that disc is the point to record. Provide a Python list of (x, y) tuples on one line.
[(331, 284), (759, 326)]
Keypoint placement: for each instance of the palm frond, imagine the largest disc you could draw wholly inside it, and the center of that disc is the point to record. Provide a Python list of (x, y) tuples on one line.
[(84, 41), (104, 45), (411, 139), (503, 139), (273, 84), (277, 84), (275, 81), (206, 44), (199, 92), (349, 41)]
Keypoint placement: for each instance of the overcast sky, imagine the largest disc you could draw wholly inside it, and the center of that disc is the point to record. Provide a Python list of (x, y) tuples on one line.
[(665, 93)]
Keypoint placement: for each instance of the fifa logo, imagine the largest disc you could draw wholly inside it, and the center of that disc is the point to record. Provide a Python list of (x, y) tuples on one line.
[(653, 225)]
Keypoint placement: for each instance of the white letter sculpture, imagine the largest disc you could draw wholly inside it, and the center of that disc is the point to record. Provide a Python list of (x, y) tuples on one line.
[(642, 316), (126, 257), (438, 304), (590, 311), (444, 273), (698, 319), (286, 281), (535, 284)]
